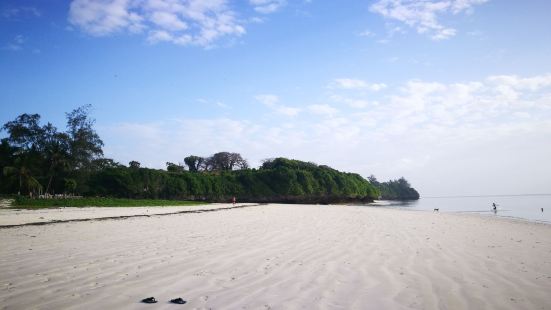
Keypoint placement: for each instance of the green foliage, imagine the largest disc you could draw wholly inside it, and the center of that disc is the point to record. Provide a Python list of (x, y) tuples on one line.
[(194, 162), (35, 157), (84, 143), (172, 167), (281, 180), (395, 189), (23, 202), (70, 185)]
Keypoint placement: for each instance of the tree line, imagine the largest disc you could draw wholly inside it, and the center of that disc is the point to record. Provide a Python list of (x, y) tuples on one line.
[(394, 189), (40, 159)]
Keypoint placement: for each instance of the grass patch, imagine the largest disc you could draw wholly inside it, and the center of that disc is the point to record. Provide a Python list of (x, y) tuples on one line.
[(23, 202)]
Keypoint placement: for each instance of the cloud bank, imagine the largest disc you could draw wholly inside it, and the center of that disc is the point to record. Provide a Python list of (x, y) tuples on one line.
[(182, 22), (424, 16)]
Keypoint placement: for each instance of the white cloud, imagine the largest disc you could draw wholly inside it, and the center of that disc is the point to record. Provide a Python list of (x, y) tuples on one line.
[(267, 6), (322, 109), (272, 101), (351, 102), (347, 83), (182, 22), (222, 105), (101, 18), (287, 110), (516, 82), (267, 99), (168, 20), (423, 16)]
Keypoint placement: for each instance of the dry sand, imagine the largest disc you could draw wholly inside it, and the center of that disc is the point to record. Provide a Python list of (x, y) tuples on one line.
[(279, 257), (9, 217)]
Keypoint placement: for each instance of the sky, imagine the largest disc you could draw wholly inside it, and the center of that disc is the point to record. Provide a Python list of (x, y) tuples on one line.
[(454, 95)]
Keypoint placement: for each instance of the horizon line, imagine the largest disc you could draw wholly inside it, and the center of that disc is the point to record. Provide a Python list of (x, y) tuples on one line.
[(492, 195)]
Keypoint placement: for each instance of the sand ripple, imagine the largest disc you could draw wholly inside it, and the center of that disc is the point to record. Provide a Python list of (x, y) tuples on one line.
[(280, 257)]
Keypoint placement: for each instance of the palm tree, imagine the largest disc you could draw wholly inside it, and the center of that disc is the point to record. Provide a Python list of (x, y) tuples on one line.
[(23, 173), (57, 157)]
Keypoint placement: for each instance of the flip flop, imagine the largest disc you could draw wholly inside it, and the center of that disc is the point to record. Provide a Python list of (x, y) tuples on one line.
[(178, 300), (149, 300)]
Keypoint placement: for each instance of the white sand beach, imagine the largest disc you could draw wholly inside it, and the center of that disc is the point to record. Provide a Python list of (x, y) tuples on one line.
[(275, 257), (28, 216)]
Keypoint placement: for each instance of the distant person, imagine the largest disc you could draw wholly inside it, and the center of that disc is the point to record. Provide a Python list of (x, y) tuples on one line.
[(541, 209), (494, 207), (233, 200)]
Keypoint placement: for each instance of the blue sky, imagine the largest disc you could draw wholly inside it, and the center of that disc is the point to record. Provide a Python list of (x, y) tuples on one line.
[(455, 95)]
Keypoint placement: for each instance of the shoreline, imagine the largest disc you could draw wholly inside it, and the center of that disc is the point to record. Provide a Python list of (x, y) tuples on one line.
[(512, 209), (279, 257), (486, 214)]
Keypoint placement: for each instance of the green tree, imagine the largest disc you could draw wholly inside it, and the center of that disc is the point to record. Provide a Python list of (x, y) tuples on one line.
[(172, 167), (25, 132), (194, 163), (224, 161), (70, 186), (22, 172), (56, 152), (85, 144)]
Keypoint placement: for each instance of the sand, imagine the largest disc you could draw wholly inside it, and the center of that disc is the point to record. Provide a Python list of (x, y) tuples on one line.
[(12, 217), (279, 257)]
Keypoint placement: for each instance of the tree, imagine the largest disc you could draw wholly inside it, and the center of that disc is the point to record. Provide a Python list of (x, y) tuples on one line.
[(397, 189), (134, 164), (85, 144), (373, 180), (21, 170), (70, 186), (104, 163), (224, 161), (55, 151), (25, 132), (172, 167), (237, 161), (194, 163), (7, 158), (403, 182)]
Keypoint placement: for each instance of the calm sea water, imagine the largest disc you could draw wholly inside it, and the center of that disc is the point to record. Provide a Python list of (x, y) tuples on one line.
[(525, 207)]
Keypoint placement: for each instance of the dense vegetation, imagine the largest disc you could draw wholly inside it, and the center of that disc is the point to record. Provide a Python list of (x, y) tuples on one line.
[(37, 160), (24, 202), (277, 180), (395, 189)]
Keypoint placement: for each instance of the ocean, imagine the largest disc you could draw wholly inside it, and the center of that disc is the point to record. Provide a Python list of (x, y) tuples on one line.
[(526, 207)]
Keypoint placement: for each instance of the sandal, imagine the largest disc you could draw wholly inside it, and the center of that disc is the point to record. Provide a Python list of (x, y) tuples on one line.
[(178, 300), (149, 300)]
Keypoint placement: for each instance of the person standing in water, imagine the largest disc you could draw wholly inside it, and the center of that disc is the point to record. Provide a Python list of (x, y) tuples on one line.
[(494, 207)]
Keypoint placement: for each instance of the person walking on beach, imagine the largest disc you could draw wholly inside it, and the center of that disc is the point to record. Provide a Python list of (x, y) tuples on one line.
[(494, 207), (233, 200)]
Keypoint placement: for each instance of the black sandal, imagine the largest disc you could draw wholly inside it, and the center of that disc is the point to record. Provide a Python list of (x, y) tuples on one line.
[(149, 300), (178, 300)]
